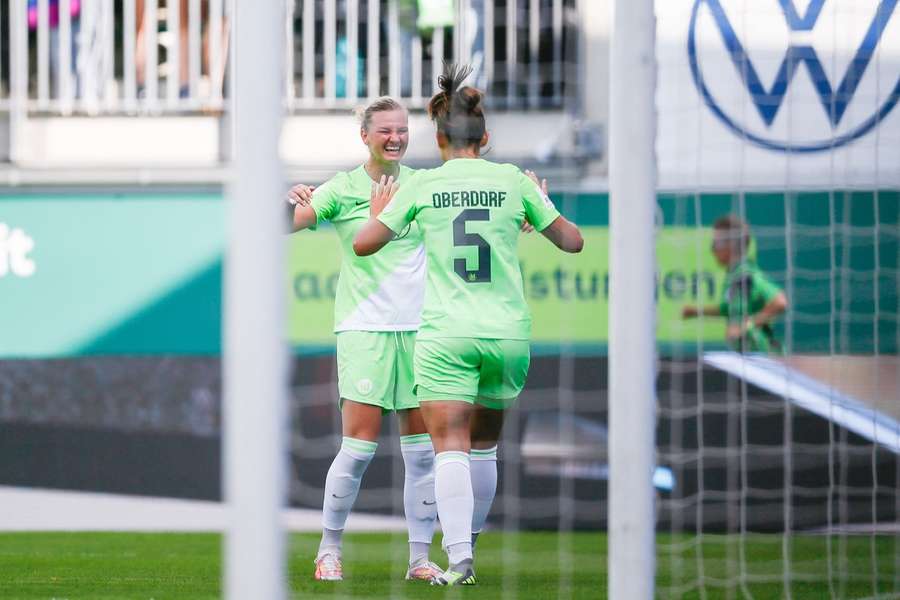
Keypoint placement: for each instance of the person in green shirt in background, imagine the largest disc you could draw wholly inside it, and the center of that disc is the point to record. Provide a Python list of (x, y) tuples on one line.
[(750, 300)]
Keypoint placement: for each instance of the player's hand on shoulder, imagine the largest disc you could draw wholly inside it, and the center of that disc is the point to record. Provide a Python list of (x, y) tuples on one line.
[(382, 193), (300, 195), (541, 183)]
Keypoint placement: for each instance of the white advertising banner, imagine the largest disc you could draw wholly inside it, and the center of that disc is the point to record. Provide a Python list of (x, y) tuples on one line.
[(778, 94)]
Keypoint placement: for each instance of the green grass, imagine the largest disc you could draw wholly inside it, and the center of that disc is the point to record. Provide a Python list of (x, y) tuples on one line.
[(527, 565)]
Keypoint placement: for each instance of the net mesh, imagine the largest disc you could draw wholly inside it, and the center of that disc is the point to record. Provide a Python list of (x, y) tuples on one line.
[(775, 472), (785, 463)]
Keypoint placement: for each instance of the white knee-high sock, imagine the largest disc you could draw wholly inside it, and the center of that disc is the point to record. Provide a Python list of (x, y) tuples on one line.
[(342, 487), (453, 492), (484, 485), (418, 493)]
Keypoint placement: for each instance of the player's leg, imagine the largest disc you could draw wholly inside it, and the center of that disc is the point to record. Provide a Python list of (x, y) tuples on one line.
[(361, 424), (448, 422), (446, 384), (363, 389), (504, 369), (487, 424), (419, 504)]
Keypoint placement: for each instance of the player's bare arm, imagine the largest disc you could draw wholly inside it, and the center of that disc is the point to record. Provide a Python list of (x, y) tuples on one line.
[(766, 316), (564, 234), (691, 311), (300, 197), (374, 235)]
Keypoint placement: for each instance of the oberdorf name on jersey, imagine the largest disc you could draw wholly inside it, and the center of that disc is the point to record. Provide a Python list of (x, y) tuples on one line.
[(471, 199)]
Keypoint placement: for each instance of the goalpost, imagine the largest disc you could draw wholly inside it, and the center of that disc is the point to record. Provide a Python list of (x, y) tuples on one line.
[(632, 306), (255, 357)]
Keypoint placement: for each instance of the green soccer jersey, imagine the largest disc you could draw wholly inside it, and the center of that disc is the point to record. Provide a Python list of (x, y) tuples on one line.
[(470, 212), (747, 290), (383, 292)]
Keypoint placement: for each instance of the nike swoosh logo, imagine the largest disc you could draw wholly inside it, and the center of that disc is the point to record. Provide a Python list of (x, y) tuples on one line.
[(358, 202), (427, 503), (340, 497)]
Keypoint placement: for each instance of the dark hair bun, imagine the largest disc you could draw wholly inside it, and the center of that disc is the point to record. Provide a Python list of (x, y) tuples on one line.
[(452, 78), (468, 99), (456, 109)]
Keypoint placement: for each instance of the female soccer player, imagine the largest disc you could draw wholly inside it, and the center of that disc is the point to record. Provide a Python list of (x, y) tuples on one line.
[(472, 350), (377, 311)]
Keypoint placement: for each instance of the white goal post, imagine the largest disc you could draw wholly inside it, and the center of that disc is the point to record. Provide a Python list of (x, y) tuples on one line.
[(632, 310), (255, 356)]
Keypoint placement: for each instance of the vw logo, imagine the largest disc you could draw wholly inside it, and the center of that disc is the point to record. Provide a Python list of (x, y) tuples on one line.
[(791, 80)]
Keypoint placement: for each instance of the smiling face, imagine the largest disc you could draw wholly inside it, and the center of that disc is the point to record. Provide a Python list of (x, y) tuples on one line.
[(387, 135)]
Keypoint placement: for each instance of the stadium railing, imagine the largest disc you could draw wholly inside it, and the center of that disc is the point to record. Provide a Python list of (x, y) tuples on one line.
[(173, 57)]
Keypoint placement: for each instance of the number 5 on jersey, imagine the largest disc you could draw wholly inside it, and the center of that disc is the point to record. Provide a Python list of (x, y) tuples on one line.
[(462, 239)]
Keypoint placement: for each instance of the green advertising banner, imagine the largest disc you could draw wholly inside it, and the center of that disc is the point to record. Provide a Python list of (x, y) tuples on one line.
[(96, 273), (567, 293)]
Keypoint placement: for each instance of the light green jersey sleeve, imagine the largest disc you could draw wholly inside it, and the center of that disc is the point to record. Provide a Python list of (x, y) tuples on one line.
[(402, 208), (326, 199), (539, 209)]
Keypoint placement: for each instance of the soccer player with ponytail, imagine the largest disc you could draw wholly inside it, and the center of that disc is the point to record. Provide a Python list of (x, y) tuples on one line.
[(472, 348)]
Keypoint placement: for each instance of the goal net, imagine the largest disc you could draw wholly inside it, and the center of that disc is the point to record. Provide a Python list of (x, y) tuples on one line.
[(776, 473), (785, 462)]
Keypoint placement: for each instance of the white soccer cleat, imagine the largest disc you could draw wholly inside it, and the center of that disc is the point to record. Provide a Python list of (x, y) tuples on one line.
[(328, 567), (423, 570)]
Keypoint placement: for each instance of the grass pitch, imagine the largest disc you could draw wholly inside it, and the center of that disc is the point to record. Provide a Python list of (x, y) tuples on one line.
[(102, 566)]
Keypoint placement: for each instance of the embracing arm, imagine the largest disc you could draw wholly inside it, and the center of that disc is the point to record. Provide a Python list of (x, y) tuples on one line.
[(304, 217), (300, 199), (374, 235), (564, 234)]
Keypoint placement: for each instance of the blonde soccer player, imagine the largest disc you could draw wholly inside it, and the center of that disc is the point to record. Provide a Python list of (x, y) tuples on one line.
[(377, 312), (472, 349)]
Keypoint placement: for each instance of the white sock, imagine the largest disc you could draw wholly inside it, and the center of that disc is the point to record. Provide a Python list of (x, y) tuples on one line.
[(453, 492), (484, 486), (418, 493), (342, 487), (332, 539)]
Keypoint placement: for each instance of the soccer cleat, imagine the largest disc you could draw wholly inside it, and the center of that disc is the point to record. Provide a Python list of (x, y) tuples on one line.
[(458, 574), (423, 570), (328, 567)]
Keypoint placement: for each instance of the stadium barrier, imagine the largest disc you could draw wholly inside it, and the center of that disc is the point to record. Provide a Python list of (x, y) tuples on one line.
[(102, 57)]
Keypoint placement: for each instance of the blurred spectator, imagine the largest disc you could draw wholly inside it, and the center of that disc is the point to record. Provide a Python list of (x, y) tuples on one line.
[(407, 13), (53, 22), (750, 300), (433, 14), (473, 39), (216, 79)]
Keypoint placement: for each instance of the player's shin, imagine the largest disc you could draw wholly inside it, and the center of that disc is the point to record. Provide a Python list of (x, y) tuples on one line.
[(418, 494), (484, 486), (341, 488), (419, 504), (455, 503)]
